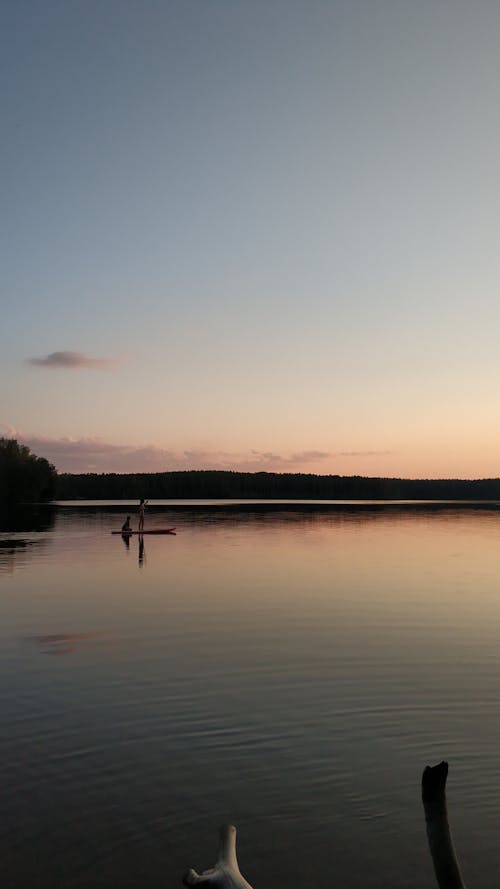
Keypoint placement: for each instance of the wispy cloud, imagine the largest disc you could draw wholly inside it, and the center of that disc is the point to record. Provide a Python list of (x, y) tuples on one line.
[(363, 453), (72, 361), (93, 454), (268, 461)]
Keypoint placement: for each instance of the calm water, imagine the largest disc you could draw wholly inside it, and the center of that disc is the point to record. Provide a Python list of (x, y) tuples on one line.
[(290, 671)]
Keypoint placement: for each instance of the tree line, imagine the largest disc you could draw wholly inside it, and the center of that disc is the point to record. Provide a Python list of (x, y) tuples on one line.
[(215, 484), (24, 477)]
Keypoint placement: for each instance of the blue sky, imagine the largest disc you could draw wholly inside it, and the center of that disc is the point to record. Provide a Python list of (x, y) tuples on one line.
[(269, 228)]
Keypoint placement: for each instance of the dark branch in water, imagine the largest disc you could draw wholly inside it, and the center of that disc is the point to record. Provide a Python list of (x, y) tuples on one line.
[(441, 846)]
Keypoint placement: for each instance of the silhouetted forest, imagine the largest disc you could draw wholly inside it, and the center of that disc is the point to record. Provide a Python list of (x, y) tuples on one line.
[(204, 484), (24, 477)]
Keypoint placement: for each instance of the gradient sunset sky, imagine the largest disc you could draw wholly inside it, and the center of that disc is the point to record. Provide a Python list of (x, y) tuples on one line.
[(252, 234)]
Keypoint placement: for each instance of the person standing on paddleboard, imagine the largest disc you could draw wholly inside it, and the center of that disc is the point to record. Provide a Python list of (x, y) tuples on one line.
[(142, 507)]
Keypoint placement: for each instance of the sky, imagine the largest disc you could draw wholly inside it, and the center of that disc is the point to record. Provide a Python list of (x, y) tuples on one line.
[(252, 235)]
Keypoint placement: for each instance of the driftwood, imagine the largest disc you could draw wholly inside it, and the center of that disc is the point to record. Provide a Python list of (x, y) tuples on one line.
[(226, 873)]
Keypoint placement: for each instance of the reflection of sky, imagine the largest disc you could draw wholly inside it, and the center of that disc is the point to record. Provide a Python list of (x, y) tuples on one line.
[(290, 672), (318, 550)]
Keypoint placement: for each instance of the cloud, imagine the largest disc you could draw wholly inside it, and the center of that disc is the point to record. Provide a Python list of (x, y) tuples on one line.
[(363, 454), (268, 461), (7, 431), (71, 361), (310, 456), (93, 454)]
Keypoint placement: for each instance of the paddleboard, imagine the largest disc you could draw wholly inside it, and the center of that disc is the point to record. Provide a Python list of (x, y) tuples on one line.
[(149, 531)]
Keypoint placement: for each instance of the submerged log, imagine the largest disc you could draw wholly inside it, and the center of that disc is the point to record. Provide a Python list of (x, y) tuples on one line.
[(226, 873), (441, 845)]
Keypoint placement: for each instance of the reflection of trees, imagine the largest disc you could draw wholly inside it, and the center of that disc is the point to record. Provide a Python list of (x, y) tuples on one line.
[(25, 519), (16, 551)]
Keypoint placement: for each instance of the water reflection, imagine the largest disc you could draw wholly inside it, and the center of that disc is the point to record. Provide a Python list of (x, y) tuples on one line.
[(141, 548), (142, 551), (14, 553), (67, 643), (23, 519), (288, 670)]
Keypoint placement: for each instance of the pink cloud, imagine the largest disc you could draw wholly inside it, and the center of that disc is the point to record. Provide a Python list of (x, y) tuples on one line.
[(95, 455), (92, 454), (363, 453), (71, 361), (268, 461)]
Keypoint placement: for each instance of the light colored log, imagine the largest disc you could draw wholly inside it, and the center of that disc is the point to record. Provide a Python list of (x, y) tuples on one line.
[(226, 873), (441, 845)]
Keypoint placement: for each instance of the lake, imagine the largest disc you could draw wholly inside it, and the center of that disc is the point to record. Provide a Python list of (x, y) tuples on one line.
[(289, 669)]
